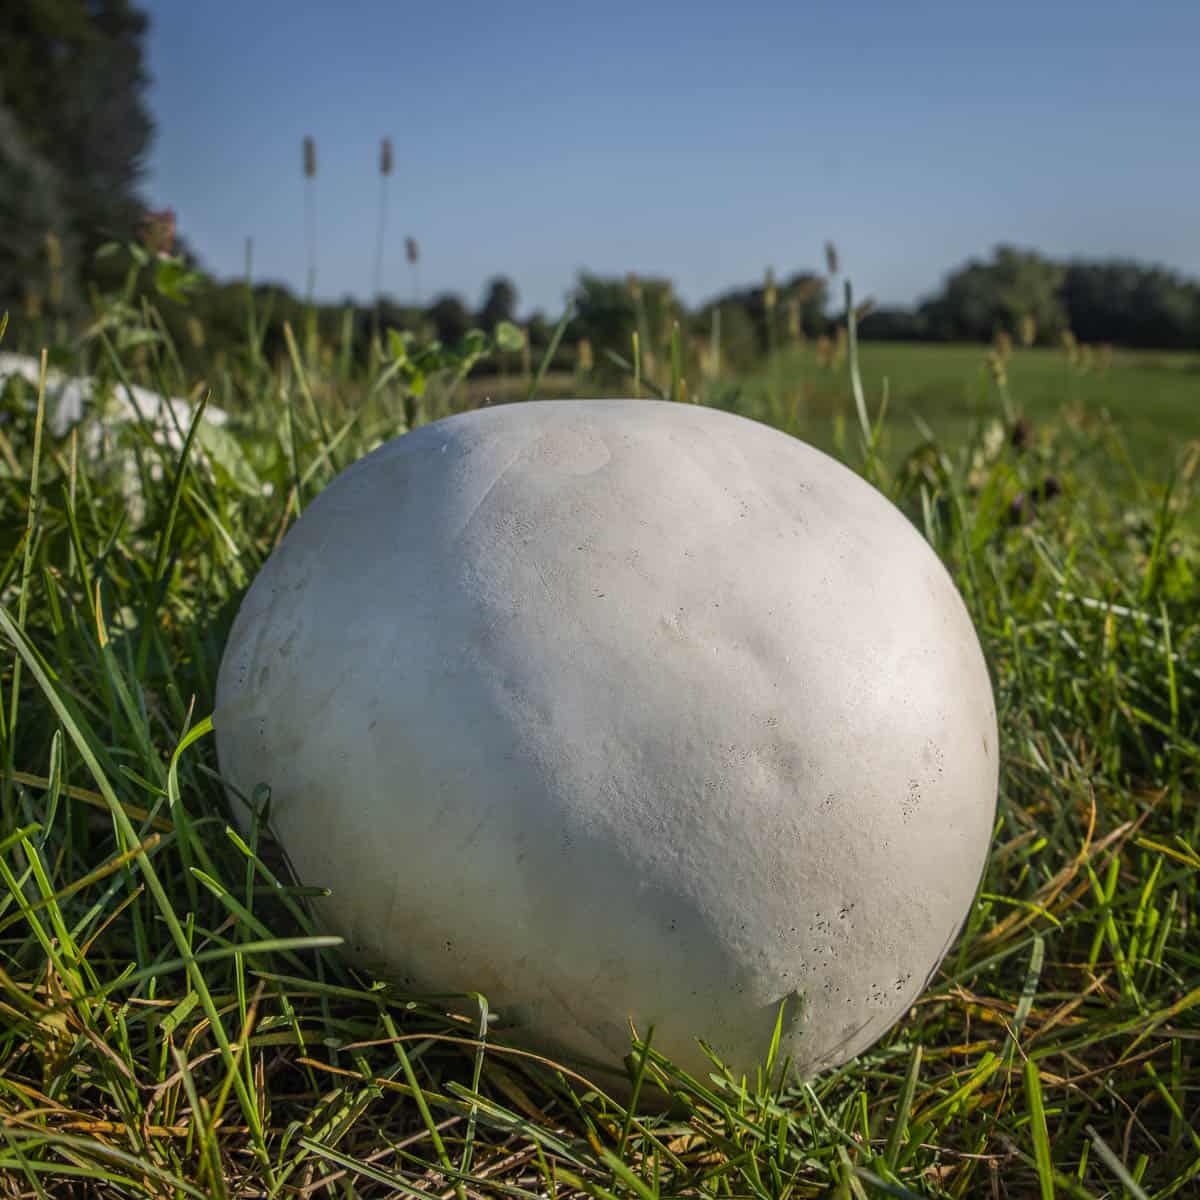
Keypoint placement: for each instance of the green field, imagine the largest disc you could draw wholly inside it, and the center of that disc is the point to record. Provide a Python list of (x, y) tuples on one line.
[(171, 1023), (1151, 401)]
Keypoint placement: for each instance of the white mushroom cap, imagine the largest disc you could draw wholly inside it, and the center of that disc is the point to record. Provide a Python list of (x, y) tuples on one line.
[(623, 710)]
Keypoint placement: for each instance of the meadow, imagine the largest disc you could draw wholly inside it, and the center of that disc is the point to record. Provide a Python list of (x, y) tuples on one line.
[(1152, 401), (172, 1024)]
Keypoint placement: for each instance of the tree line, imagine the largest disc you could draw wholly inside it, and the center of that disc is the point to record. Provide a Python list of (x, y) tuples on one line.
[(1115, 301), (74, 134)]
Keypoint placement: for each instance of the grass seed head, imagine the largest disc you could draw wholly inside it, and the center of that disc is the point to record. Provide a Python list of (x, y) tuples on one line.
[(841, 344), (54, 253), (794, 326), (863, 310)]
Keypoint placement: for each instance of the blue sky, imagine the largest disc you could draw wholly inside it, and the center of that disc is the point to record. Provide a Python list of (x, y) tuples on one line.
[(696, 140)]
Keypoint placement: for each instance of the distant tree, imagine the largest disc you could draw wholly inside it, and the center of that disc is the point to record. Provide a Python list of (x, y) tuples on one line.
[(604, 313), (33, 205), (73, 78), (450, 318), (982, 298), (893, 325), (806, 288), (608, 310), (1132, 304), (405, 317), (499, 303), (539, 330)]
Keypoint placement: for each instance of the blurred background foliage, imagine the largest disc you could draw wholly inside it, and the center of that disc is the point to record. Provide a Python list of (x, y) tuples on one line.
[(75, 131)]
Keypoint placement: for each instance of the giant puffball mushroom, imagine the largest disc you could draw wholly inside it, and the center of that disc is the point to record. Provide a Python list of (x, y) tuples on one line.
[(622, 711)]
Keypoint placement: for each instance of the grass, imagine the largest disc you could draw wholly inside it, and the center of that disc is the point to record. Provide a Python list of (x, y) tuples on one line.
[(171, 1024), (1151, 399)]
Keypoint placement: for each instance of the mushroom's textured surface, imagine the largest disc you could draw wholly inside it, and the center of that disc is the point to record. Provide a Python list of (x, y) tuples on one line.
[(621, 710)]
